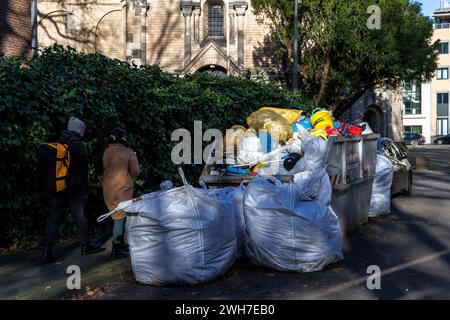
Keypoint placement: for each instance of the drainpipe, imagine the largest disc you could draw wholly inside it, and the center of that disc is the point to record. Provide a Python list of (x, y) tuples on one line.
[(228, 36), (124, 29), (34, 28), (144, 8)]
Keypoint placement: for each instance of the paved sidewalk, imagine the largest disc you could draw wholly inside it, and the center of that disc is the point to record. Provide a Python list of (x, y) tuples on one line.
[(23, 277)]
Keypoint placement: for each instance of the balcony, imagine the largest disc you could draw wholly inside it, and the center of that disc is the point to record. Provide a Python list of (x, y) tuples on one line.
[(445, 25)]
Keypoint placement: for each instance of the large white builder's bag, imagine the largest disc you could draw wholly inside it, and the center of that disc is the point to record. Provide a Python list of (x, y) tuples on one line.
[(233, 198), (179, 235), (380, 203), (291, 226)]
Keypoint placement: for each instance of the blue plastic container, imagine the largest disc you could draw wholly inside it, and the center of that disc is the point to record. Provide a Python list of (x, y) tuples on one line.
[(304, 123)]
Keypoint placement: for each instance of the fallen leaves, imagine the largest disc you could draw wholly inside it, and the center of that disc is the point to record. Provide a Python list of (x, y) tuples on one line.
[(91, 293)]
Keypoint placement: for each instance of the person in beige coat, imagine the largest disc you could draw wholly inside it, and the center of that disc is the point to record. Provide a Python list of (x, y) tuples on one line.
[(120, 165)]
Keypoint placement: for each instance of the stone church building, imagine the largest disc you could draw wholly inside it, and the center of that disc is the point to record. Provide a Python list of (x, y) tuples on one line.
[(182, 36), (187, 36)]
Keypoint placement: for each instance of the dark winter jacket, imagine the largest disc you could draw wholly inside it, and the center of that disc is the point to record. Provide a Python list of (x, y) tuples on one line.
[(78, 169)]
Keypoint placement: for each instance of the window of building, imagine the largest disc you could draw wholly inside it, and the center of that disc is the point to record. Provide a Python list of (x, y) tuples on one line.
[(443, 48), (215, 20), (442, 113), (442, 74), (442, 127), (412, 98), (442, 104), (413, 129)]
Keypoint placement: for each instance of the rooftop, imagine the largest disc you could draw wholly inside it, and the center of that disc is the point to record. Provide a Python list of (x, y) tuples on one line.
[(442, 15)]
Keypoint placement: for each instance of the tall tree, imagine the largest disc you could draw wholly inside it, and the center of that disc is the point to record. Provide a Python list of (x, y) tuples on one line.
[(341, 57)]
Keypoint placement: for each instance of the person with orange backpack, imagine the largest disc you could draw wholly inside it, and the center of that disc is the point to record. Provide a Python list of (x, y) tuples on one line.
[(64, 171)]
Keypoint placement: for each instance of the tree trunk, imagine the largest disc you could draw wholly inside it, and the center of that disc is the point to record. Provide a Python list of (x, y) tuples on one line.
[(324, 80)]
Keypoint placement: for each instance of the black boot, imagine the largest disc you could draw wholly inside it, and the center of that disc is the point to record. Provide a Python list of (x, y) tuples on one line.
[(91, 248), (47, 254), (120, 250)]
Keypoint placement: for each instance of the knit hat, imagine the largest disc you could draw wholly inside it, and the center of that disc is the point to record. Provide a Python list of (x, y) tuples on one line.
[(76, 125)]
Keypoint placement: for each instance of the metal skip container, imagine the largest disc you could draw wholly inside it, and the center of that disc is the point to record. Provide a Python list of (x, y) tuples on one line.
[(351, 163)]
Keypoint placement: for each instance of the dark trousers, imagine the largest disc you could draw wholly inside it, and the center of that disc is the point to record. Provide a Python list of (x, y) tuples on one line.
[(60, 201)]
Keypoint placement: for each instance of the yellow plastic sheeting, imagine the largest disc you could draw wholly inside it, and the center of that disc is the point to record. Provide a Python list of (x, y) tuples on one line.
[(319, 134), (275, 124), (290, 115)]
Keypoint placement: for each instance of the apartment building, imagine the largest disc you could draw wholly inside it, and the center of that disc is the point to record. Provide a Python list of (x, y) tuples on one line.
[(440, 85), (426, 106)]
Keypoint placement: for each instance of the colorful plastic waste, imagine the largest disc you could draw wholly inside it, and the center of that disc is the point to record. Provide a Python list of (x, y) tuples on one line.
[(350, 130), (291, 115), (332, 132), (275, 124), (320, 134), (266, 142), (322, 119), (306, 124), (233, 170)]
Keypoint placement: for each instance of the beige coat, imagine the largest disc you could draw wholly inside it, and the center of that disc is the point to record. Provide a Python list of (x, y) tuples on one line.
[(120, 166)]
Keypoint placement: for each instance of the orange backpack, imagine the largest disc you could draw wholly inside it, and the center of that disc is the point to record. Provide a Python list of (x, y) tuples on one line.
[(55, 162)]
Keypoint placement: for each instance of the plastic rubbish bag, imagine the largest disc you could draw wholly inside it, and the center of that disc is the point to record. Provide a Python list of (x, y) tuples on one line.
[(276, 165), (314, 152), (291, 115), (232, 140), (292, 227), (249, 149), (313, 185), (367, 129), (380, 203), (233, 198), (180, 235), (166, 185), (276, 125)]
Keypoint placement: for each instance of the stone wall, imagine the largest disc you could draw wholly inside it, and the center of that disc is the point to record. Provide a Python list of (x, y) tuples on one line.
[(113, 28), (88, 26), (15, 27), (382, 109)]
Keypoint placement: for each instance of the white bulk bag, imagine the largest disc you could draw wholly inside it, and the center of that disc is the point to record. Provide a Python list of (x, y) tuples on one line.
[(380, 203), (233, 198), (292, 227), (179, 236)]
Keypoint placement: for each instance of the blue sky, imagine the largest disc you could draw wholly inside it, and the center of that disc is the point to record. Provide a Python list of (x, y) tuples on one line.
[(428, 6)]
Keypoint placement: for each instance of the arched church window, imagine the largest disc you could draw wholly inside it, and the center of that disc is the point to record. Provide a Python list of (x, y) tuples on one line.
[(215, 20)]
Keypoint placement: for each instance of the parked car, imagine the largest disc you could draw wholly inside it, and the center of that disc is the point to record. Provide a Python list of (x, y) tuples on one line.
[(442, 140), (397, 154), (410, 137)]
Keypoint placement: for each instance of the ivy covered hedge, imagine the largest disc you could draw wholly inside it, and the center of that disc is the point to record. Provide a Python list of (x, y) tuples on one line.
[(39, 96)]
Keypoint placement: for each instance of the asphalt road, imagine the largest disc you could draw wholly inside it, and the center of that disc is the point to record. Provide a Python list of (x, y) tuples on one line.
[(411, 247)]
